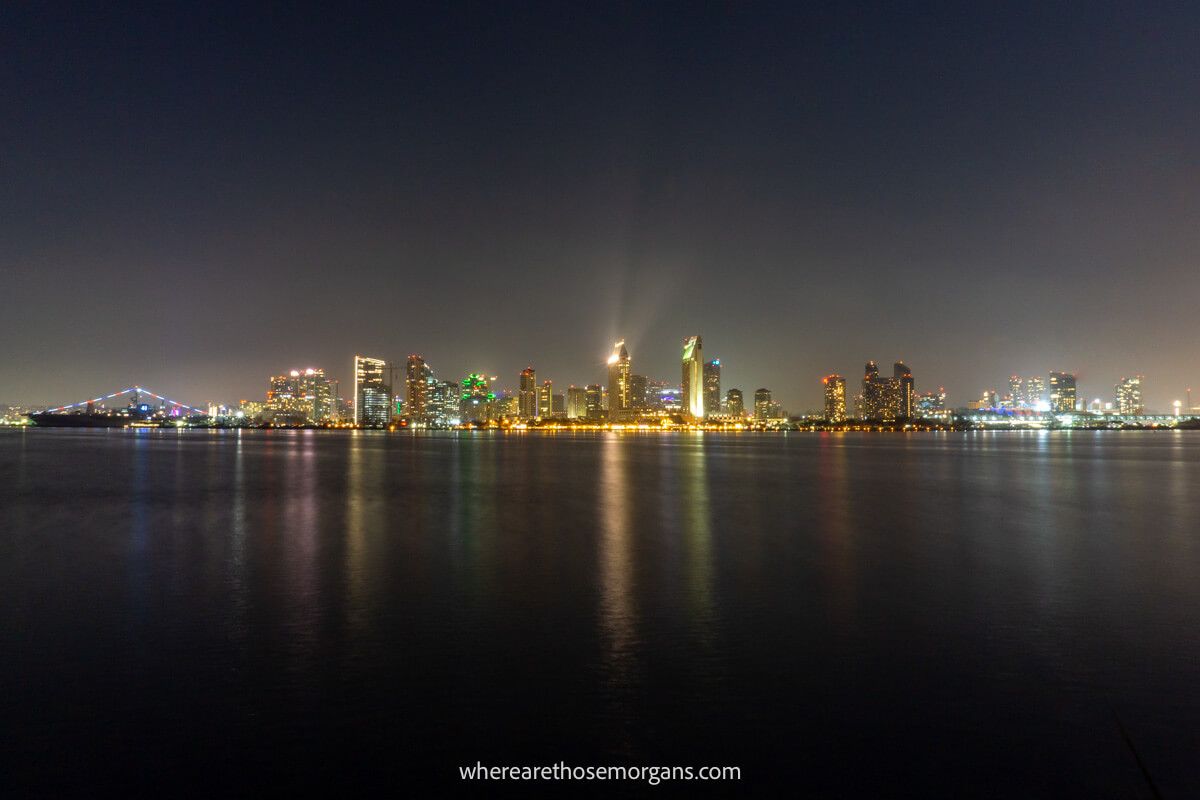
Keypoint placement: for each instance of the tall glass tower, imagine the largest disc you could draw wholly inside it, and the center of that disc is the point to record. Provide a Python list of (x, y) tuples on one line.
[(693, 378), (618, 382)]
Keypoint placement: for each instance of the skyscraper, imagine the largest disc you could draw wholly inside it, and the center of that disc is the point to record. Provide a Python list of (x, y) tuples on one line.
[(527, 394), (692, 384), (1129, 396), (576, 402), (712, 387), (417, 379), (906, 399), (1015, 390), (638, 400), (887, 398), (1062, 392), (1035, 392), (475, 404), (762, 404), (545, 399), (372, 395), (835, 398), (595, 402), (734, 405), (618, 382)]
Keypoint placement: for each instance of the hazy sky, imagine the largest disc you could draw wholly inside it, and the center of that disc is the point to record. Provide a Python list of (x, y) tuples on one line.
[(195, 200)]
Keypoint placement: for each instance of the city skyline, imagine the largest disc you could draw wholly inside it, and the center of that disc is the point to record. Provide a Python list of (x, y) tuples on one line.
[(1126, 392)]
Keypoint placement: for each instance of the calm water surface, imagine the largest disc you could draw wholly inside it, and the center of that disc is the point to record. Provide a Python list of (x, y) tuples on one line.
[(843, 615)]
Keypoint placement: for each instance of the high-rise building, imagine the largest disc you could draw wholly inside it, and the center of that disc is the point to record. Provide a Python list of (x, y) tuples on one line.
[(1035, 392), (372, 394), (931, 404), (1129, 396), (475, 404), (734, 406), (638, 400), (443, 404), (558, 405), (545, 399), (762, 404), (527, 393), (618, 382), (712, 387), (886, 398), (904, 385), (1016, 390), (1062, 392), (835, 398), (576, 402), (692, 384), (418, 378), (300, 397), (595, 402)]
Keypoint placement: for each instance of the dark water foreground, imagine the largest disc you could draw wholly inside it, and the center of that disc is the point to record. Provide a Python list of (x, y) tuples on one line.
[(937, 615)]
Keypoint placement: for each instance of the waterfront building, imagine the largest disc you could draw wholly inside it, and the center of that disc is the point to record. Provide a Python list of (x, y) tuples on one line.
[(577, 407), (1035, 392), (545, 399), (1016, 391), (444, 404), (595, 409), (618, 382), (475, 402), (527, 393), (887, 398), (835, 398), (558, 405), (638, 399), (418, 377), (1062, 392), (762, 404), (734, 405), (931, 404), (692, 384), (1129, 396), (372, 394), (906, 388), (712, 387), (300, 397)]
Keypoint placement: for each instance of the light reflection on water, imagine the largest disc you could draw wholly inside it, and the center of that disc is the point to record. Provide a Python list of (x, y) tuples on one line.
[(943, 608)]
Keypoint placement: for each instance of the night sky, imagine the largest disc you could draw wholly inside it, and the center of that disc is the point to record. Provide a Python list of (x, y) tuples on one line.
[(194, 200)]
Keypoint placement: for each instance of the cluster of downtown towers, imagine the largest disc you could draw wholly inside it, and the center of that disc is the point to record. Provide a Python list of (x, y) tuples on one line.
[(305, 397)]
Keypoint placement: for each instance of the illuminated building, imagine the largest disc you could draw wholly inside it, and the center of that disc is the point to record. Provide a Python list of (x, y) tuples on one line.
[(475, 401), (670, 400), (618, 382), (712, 387), (762, 404), (372, 395), (444, 405), (527, 394), (1016, 393), (906, 388), (1035, 392), (931, 404), (558, 405), (638, 397), (301, 397), (835, 398), (1062, 392), (577, 405), (734, 406), (545, 401), (594, 403), (887, 398), (417, 379), (692, 384), (1129, 396)]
